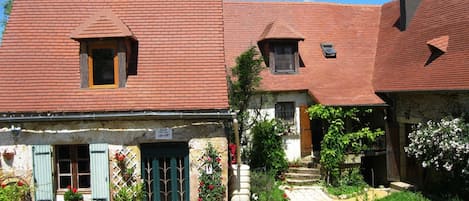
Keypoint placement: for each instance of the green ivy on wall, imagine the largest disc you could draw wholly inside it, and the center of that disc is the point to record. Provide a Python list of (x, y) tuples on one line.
[(337, 142)]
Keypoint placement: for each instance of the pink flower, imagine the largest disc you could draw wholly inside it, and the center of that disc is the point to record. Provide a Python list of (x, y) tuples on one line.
[(4, 185), (74, 190), (69, 187), (218, 159), (209, 159), (20, 183), (200, 199), (201, 183)]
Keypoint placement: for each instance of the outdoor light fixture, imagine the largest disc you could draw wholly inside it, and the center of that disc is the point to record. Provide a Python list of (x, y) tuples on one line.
[(15, 131)]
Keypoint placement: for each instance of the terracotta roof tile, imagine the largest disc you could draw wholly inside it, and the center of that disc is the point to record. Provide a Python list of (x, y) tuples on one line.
[(180, 61), (401, 56), (279, 29), (345, 80)]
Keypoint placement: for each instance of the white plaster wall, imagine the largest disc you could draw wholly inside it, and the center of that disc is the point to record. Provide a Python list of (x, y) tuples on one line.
[(267, 102), (20, 165)]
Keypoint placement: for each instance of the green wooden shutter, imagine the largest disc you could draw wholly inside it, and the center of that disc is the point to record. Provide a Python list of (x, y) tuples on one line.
[(99, 162), (42, 171)]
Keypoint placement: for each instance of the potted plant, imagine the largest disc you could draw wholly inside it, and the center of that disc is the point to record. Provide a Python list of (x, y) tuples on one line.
[(128, 174), (72, 194), (8, 154)]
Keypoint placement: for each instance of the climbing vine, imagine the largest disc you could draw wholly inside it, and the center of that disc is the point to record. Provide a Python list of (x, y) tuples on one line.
[(337, 142), (210, 186)]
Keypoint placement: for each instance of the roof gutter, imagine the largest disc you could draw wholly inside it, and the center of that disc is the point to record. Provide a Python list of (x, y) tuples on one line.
[(104, 116)]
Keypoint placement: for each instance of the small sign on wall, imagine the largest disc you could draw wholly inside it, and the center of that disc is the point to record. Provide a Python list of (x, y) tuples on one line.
[(164, 133)]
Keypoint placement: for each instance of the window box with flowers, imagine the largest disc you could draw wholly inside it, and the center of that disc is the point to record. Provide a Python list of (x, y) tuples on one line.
[(72, 194)]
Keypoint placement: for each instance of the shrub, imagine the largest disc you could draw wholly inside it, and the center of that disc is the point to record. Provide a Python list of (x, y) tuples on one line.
[(404, 195), (443, 145), (265, 188), (14, 192), (72, 194), (130, 193), (350, 182), (267, 148)]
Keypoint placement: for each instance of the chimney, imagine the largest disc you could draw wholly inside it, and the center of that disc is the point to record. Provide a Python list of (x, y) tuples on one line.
[(408, 9)]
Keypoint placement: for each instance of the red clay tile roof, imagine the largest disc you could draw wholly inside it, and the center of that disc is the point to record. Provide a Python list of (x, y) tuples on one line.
[(279, 29), (101, 25), (180, 61), (441, 43), (353, 30), (401, 56)]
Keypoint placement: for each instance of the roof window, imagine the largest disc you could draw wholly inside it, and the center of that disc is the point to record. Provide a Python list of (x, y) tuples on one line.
[(328, 50)]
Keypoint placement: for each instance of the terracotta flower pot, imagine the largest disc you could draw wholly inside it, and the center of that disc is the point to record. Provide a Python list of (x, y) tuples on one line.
[(8, 155)]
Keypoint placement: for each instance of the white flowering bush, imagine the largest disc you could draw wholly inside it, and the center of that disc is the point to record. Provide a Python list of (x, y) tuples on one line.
[(442, 145)]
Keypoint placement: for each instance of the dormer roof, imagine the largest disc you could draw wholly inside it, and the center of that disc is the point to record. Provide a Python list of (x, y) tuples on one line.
[(279, 29), (440, 42), (103, 24)]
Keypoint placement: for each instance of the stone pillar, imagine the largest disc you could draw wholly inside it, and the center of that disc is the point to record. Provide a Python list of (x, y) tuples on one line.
[(240, 183)]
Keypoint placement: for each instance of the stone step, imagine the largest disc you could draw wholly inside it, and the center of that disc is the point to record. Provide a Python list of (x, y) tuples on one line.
[(401, 186), (300, 176), (303, 170), (302, 182)]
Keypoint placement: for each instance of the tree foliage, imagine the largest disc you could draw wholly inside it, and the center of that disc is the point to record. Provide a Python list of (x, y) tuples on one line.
[(337, 142), (6, 13), (243, 84)]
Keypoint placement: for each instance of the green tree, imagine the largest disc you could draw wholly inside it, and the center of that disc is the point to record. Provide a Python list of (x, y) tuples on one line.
[(6, 13), (243, 84)]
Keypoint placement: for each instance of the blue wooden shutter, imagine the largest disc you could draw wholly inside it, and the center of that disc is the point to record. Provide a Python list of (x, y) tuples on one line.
[(99, 161), (42, 171)]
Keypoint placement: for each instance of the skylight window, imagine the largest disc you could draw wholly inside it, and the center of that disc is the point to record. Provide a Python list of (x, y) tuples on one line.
[(328, 50)]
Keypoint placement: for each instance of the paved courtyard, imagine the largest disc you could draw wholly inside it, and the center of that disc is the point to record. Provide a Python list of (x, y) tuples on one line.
[(306, 193)]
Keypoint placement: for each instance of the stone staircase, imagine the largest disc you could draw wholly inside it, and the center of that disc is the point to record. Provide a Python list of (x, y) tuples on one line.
[(307, 173)]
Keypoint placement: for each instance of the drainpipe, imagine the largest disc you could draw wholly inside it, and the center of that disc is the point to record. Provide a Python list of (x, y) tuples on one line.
[(238, 149)]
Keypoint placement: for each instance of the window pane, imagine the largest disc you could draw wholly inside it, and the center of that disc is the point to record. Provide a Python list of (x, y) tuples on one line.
[(64, 167), (103, 66), (285, 111), (63, 152), (284, 58), (83, 166), (65, 181), (83, 152), (84, 181)]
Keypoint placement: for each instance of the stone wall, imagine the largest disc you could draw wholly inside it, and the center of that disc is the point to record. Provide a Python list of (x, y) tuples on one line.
[(119, 134)]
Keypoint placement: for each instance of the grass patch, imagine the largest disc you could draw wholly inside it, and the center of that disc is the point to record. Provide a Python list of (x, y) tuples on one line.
[(404, 195)]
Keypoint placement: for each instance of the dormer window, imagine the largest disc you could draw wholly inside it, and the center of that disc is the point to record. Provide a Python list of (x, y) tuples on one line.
[(284, 57), (103, 65), (107, 51)]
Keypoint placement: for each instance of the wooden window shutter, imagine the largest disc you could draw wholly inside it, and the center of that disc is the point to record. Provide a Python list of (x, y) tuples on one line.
[(42, 172), (84, 73), (99, 162)]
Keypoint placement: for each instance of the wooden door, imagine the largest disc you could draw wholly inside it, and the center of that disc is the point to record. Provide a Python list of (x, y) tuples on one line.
[(392, 151), (305, 132)]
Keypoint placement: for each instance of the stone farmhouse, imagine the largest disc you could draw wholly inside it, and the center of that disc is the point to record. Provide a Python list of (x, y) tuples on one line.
[(84, 82)]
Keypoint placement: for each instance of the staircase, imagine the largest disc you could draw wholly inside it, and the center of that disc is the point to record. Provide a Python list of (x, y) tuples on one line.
[(307, 173)]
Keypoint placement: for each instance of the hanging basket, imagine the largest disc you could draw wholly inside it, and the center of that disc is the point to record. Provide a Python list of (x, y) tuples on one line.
[(8, 154)]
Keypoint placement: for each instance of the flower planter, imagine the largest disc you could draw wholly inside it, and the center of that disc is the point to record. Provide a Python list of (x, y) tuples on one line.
[(8, 155)]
